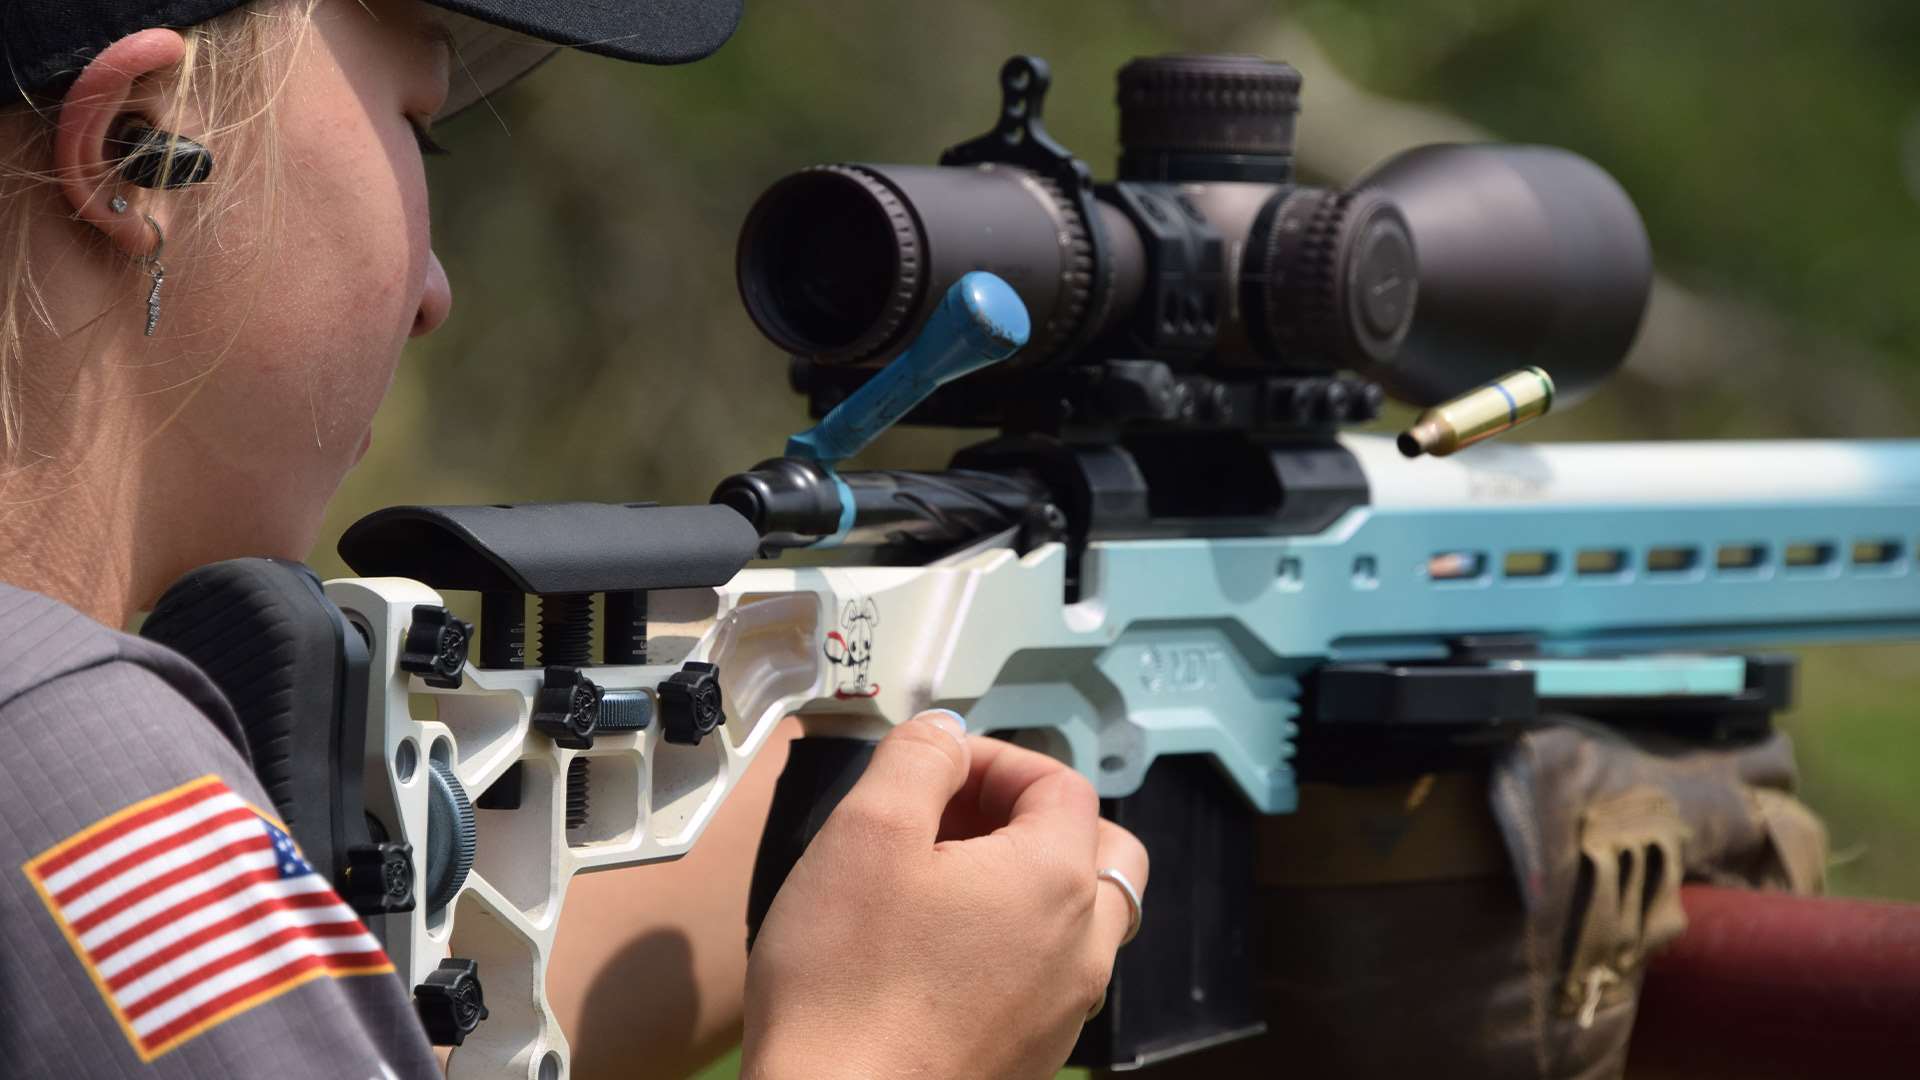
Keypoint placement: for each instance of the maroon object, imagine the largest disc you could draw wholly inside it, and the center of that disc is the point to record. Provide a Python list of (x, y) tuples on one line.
[(1766, 984)]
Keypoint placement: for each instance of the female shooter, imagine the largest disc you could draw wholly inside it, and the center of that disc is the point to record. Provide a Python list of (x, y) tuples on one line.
[(216, 245)]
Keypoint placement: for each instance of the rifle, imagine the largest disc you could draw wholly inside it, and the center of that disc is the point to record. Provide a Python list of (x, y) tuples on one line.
[(1170, 568)]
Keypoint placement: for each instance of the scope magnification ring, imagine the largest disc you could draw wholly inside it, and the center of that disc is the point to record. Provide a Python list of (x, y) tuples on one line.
[(1076, 280)]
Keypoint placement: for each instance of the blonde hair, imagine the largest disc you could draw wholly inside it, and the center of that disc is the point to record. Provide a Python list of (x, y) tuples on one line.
[(223, 96)]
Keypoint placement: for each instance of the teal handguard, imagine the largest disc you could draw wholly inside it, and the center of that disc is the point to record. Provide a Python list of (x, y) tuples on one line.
[(980, 322)]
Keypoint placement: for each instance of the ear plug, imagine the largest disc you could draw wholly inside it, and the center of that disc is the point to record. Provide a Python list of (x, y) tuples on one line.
[(151, 158)]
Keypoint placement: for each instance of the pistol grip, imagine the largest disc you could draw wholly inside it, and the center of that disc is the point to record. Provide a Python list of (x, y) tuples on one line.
[(820, 770)]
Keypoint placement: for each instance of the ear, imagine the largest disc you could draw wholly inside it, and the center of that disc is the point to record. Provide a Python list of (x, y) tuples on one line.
[(84, 157), (851, 613), (871, 611)]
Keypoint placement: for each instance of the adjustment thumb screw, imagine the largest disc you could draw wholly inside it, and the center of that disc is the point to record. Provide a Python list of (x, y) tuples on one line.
[(1366, 404), (378, 878), (690, 706), (1334, 398), (567, 708), (451, 1002), (436, 646)]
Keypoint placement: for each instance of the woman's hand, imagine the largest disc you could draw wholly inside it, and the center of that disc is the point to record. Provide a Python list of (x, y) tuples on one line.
[(945, 922)]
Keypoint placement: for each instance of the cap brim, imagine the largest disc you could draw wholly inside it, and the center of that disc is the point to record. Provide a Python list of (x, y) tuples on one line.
[(500, 40), (485, 59)]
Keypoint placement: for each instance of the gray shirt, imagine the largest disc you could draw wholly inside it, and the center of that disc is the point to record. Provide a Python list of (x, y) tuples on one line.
[(132, 945)]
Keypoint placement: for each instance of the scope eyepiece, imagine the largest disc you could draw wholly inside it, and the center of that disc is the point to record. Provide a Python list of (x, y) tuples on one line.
[(842, 263), (830, 263)]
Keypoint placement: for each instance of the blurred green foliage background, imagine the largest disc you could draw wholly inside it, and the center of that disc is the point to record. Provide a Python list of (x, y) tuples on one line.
[(598, 349)]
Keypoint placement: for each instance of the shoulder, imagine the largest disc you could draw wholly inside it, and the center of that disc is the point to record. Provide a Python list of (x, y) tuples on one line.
[(155, 921), (91, 718), (42, 638), (53, 657)]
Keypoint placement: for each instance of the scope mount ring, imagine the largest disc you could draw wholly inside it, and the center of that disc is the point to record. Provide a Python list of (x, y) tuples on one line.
[(1020, 138)]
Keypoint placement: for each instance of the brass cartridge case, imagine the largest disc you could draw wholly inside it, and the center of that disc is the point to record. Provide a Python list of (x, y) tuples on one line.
[(1502, 405)]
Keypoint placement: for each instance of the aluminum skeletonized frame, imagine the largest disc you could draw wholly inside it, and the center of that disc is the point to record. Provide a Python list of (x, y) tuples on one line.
[(1177, 646)]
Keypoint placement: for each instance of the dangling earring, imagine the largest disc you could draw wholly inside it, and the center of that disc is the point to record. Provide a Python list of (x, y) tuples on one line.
[(158, 272)]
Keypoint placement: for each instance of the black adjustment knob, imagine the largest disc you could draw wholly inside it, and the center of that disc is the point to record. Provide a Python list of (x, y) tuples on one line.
[(379, 878), (1366, 404), (436, 646), (1379, 277), (1330, 280), (1198, 118), (567, 708), (451, 1003), (690, 705), (1332, 407), (453, 837), (1302, 399)]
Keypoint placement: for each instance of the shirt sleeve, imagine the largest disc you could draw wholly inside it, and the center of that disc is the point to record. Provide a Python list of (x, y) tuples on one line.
[(155, 920)]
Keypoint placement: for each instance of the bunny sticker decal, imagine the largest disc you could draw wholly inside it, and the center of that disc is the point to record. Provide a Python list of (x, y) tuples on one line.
[(851, 649)]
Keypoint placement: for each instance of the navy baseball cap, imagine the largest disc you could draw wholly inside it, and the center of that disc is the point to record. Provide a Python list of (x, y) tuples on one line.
[(48, 42)]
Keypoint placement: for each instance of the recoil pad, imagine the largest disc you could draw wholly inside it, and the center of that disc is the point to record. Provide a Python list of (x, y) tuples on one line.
[(295, 672)]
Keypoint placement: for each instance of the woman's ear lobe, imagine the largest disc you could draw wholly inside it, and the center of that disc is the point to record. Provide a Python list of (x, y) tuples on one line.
[(86, 152)]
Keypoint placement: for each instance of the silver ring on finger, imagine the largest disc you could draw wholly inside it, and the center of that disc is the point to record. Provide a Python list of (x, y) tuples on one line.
[(1109, 874)]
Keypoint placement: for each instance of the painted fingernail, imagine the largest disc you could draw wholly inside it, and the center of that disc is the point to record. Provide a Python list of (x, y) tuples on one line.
[(948, 721)]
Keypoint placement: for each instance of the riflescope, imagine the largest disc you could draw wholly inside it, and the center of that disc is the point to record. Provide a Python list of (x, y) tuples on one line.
[(1203, 288)]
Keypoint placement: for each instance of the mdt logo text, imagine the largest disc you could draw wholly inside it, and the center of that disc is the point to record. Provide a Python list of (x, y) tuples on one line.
[(1180, 669)]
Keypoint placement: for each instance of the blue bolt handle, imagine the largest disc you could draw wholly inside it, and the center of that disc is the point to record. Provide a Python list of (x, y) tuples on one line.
[(980, 321)]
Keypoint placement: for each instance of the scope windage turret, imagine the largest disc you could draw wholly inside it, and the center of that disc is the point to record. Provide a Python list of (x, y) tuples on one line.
[(1203, 287)]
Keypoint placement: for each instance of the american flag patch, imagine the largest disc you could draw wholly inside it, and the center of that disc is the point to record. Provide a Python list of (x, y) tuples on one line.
[(192, 907)]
